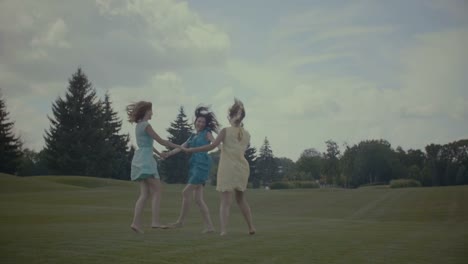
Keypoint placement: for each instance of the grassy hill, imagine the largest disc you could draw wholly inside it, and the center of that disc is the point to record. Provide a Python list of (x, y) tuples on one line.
[(72, 219)]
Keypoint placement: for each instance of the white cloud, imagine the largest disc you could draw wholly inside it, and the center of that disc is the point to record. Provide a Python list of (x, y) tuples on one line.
[(324, 73), (54, 37), (434, 79), (171, 26), (134, 49)]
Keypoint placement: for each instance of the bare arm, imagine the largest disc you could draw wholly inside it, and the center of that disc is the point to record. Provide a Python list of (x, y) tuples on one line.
[(176, 150), (158, 139), (211, 139), (213, 145)]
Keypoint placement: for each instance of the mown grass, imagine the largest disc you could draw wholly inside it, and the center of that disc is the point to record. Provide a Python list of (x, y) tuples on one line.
[(64, 219)]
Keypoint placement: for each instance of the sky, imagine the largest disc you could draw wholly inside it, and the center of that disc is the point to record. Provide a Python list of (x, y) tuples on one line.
[(307, 71)]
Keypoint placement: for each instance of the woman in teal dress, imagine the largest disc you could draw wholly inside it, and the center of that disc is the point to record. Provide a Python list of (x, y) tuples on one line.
[(199, 167), (144, 167)]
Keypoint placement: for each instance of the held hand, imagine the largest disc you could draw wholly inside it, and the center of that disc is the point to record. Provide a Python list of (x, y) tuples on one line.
[(164, 155), (186, 150)]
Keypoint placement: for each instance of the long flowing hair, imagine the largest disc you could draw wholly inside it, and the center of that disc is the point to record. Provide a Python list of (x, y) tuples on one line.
[(237, 112), (136, 111), (211, 121), (236, 115)]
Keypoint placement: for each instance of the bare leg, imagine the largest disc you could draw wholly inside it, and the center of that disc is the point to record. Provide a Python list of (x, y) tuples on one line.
[(203, 209), (155, 190), (186, 201), (245, 209), (139, 206), (226, 199)]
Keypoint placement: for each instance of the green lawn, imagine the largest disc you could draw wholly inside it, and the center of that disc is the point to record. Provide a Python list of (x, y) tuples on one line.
[(86, 220)]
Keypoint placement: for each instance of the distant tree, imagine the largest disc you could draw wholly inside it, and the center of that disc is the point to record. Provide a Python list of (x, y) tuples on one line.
[(286, 168), (75, 139), (251, 157), (10, 144), (175, 169), (309, 166), (267, 168), (331, 163), (370, 162), (310, 152), (114, 160)]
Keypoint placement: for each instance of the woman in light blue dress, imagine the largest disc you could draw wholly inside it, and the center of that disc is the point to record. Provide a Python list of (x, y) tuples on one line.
[(144, 166), (199, 167)]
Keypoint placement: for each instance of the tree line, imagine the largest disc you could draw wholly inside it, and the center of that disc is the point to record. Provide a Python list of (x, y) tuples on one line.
[(84, 138), (370, 162)]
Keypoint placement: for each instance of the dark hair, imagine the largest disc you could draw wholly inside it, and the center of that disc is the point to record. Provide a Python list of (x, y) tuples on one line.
[(211, 121), (237, 112), (136, 111)]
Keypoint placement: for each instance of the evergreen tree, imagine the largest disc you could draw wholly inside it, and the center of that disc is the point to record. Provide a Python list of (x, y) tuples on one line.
[(75, 140), (114, 160), (10, 145), (251, 156), (331, 163), (266, 165), (175, 169)]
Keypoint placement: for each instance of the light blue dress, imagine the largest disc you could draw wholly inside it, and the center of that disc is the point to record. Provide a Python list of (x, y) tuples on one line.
[(143, 163), (200, 162)]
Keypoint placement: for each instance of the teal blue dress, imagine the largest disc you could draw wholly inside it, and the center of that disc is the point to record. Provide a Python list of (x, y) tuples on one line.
[(200, 162), (143, 163)]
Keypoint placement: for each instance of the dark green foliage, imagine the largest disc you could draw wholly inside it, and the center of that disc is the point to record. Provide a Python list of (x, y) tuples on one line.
[(33, 163), (404, 183), (280, 185), (83, 138), (267, 168), (306, 184), (251, 157), (331, 163), (10, 144), (370, 161), (294, 185), (115, 158), (175, 168)]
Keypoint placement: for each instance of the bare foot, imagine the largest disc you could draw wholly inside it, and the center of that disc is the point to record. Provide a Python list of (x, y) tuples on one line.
[(136, 229), (223, 233), (160, 226)]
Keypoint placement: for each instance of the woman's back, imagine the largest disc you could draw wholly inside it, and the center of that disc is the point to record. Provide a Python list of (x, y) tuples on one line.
[(142, 138), (233, 171), (236, 141)]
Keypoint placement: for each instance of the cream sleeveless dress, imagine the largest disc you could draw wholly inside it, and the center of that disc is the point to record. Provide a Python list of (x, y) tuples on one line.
[(233, 169)]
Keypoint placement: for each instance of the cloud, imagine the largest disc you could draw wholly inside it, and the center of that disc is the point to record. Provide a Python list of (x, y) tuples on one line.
[(135, 49), (324, 71), (434, 77), (54, 37), (121, 42)]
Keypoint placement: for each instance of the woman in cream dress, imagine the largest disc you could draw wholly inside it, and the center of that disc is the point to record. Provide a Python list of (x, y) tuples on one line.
[(233, 169)]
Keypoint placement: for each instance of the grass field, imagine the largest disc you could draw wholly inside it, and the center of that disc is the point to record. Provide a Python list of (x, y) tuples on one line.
[(86, 220)]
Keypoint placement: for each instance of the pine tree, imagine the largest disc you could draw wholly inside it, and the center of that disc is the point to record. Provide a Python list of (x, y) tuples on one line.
[(75, 140), (114, 160), (250, 156), (266, 165), (10, 145), (175, 168)]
